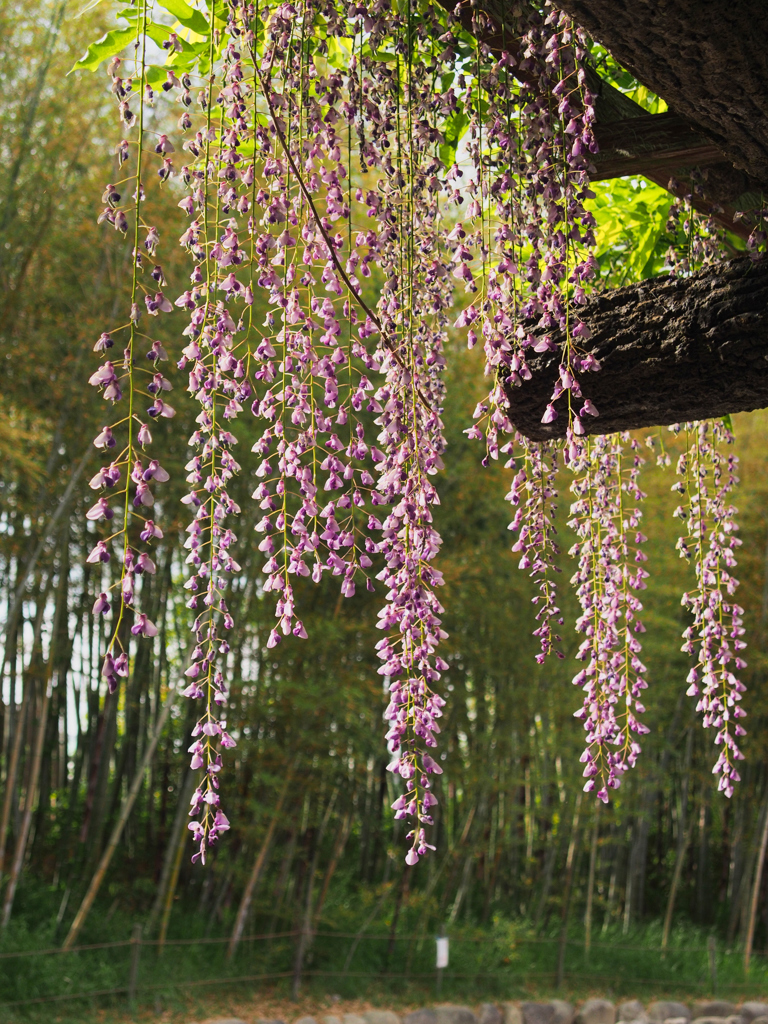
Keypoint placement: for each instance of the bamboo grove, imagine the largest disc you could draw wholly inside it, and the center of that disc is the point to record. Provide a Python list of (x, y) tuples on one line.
[(308, 774)]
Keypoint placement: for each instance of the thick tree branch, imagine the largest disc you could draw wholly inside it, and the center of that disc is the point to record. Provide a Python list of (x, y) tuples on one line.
[(708, 60), (671, 350), (653, 142), (664, 147)]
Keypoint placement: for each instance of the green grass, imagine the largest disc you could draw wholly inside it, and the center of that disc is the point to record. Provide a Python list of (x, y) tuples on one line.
[(503, 961)]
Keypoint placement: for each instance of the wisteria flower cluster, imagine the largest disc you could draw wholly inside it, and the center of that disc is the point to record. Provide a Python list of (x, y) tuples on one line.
[(714, 637), (610, 572), (343, 169)]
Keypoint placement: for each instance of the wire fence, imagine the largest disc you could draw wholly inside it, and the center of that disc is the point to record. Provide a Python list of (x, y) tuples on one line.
[(494, 966)]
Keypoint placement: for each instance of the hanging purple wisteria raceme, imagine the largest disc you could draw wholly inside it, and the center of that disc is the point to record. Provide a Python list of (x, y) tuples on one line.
[(357, 179)]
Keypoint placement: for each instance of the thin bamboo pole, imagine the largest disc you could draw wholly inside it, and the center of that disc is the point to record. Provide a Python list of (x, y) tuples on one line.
[(569, 867), (175, 842), (32, 561), (676, 876), (305, 933), (682, 846), (29, 801), (591, 881), (258, 866), (341, 842), (756, 889), (13, 768), (173, 881)]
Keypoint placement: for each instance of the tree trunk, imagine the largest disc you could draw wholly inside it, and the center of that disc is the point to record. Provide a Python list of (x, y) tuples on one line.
[(670, 349), (665, 148)]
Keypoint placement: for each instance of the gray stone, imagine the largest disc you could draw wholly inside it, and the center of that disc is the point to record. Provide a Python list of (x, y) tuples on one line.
[(425, 1016), (261, 1020), (753, 1010), (380, 1017), (563, 1011), (660, 1011), (596, 1011), (556, 1011), (454, 1015), (538, 1013), (330, 1019), (490, 1014), (352, 1018), (708, 1008), (755, 1020), (631, 1010), (512, 1014), (710, 1020), (226, 1020), (305, 1020)]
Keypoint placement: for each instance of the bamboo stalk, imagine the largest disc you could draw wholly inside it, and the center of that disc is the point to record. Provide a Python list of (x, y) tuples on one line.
[(569, 867), (341, 842), (173, 881), (258, 866), (13, 768), (591, 881), (305, 933), (682, 846), (175, 842), (31, 563), (756, 888), (21, 842), (676, 876), (117, 831)]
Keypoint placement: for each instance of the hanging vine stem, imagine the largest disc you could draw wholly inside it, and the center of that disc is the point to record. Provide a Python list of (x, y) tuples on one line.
[(326, 237), (129, 460)]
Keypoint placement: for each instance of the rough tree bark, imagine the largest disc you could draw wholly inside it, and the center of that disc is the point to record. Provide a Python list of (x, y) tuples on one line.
[(707, 60), (671, 350), (667, 146)]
